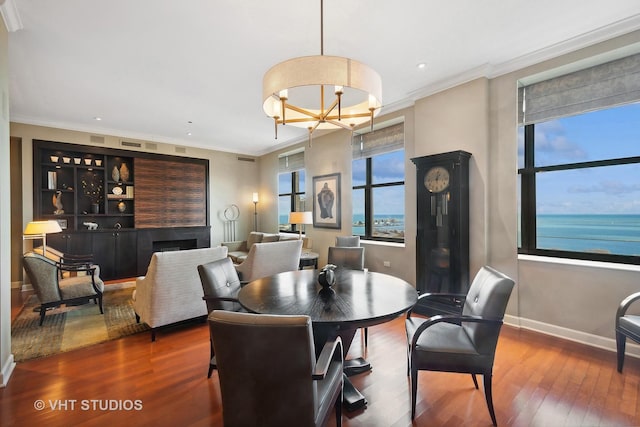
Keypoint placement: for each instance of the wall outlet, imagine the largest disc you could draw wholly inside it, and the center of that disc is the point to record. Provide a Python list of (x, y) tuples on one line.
[(387, 263)]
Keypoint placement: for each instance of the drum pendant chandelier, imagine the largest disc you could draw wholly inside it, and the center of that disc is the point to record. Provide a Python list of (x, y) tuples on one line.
[(287, 86)]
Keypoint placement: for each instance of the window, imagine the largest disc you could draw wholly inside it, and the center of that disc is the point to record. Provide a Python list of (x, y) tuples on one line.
[(378, 184), (291, 185), (580, 176)]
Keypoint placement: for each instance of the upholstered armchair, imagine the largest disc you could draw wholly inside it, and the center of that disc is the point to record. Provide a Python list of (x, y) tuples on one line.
[(220, 285), (267, 259), (627, 326), (269, 374), (53, 288), (464, 343)]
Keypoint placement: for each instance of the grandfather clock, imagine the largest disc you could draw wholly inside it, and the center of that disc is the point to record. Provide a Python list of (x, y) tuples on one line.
[(442, 240)]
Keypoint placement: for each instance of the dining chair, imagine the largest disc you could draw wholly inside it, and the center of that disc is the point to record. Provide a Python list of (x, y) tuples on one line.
[(627, 326), (350, 257), (269, 374), (54, 288), (220, 285), (464, 343)]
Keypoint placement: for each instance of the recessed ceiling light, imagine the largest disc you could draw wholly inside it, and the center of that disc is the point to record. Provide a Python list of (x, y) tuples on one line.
[(189, 133), (422, 66), (97, 118)]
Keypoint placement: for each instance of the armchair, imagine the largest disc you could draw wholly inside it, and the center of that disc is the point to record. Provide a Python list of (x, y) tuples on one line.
[(220, 284), (627, 325), (463, 343), (53, 289), (267, 259), (294, 389)]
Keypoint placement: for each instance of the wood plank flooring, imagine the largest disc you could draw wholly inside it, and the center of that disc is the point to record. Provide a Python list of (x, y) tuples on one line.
[(538, 381)]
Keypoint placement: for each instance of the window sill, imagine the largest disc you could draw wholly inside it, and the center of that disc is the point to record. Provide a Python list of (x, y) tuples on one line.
[(381, 243), (580, 262)]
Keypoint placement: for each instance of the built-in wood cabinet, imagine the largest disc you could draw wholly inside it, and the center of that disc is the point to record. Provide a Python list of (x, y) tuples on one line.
[(103, 198)]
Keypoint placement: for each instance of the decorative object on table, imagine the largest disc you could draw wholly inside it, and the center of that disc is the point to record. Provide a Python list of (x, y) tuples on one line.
[(117, 191), (299, 219), (326, 203), (92, 188), (115, 174), (52, 179), (327, 277), (90, 225), (124, 172), (57, 202), (122, 207)]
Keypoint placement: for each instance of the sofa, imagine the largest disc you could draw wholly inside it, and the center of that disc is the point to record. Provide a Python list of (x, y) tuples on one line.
[(171, 291), (267, 259), (239, 250)]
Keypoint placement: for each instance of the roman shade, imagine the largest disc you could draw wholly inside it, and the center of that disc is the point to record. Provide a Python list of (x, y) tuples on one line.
[(602, 86), (380, 141), (291, 162)]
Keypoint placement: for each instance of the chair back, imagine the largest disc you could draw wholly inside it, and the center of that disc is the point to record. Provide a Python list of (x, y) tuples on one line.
[(220, 279), (43, 275), (346, 257), (265, 365), (348, 241), (487, 297), (267, 259)]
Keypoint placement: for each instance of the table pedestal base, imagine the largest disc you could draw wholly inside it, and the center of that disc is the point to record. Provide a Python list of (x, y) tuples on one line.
[(356, 366), (352, 399)]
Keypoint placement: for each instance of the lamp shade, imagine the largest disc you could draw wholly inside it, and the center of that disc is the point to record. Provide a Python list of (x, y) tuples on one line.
[(301, 218), (42, 227), (255, 198)]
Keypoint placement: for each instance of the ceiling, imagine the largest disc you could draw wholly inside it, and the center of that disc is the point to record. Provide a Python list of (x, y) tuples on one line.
[(158, 70)]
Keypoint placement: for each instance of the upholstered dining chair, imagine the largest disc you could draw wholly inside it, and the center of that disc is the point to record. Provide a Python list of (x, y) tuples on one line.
[(54, 288), (348, 241), (220, 285), (291, 387), (627, 326), (464, 343)]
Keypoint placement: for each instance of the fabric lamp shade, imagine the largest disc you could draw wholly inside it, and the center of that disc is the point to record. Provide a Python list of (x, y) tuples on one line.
[(301, 218), (41, 228)]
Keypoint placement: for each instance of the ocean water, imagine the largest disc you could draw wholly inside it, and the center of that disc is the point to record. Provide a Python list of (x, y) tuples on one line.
[(391, 225), (615, 234)]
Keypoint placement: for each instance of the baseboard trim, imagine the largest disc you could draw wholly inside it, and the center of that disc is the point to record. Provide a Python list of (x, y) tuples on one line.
[(7, 370), (16, 285), (591, 340)]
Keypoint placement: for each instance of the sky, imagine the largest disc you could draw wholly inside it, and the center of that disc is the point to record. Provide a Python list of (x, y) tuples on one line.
[(598, 135)]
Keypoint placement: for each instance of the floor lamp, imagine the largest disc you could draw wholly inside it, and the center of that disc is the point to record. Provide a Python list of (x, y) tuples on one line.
[(255, 211), (300, 218), (39, 230)]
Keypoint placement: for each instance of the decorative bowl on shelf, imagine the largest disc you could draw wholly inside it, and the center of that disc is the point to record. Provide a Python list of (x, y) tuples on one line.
[(117, 191)]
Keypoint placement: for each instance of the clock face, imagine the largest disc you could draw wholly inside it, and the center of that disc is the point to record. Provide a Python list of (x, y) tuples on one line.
[(436, 179)]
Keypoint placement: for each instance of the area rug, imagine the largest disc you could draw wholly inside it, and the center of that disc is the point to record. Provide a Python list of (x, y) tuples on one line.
[(69, 328)]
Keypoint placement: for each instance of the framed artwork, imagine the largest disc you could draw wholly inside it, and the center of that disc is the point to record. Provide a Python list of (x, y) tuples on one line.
[(326, 201)]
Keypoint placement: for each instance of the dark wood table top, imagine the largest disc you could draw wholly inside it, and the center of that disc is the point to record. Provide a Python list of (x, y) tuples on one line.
[(358, 298)]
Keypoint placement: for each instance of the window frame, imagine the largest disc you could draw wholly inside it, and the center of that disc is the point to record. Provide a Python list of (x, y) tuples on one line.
[(368, 188), (292, 194), (528, 204)]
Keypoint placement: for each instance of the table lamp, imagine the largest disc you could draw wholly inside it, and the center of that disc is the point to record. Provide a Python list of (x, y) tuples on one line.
[(300, 218), (39, 230)]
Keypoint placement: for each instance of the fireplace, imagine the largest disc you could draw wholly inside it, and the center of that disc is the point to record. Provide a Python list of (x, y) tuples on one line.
[(174, 245)]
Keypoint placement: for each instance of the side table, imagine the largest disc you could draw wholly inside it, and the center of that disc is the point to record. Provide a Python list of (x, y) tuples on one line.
[(308, 259)]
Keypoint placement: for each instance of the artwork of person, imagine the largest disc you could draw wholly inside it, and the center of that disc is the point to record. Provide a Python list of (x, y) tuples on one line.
[(325, 201)]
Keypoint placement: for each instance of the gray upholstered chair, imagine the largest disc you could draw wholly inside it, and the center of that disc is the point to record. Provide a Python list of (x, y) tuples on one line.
[(348, 241), (464, 343), (627, 326), (267, 259), (53, 289), (269, 374), (220, 285)]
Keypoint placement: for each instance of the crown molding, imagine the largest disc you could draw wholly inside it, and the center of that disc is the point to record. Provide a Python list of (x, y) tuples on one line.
[(10, 15)]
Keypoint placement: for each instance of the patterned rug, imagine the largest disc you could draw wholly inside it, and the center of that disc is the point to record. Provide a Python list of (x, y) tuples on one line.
[(68, 328)]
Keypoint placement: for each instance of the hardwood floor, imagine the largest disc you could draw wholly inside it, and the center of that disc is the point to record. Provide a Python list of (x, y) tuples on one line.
[(538, 381)]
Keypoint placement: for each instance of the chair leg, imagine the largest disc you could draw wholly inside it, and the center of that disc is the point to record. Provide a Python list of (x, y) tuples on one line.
[(621, 341), (137, 318), (43, 310), (338, 406), (100, 304), (414, 391), (366, 337), (212, 365), (153, 334), (475, 380), (489, 396)]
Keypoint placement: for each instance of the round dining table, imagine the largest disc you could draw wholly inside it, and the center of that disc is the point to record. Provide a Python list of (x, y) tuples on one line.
[(357, 299)]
